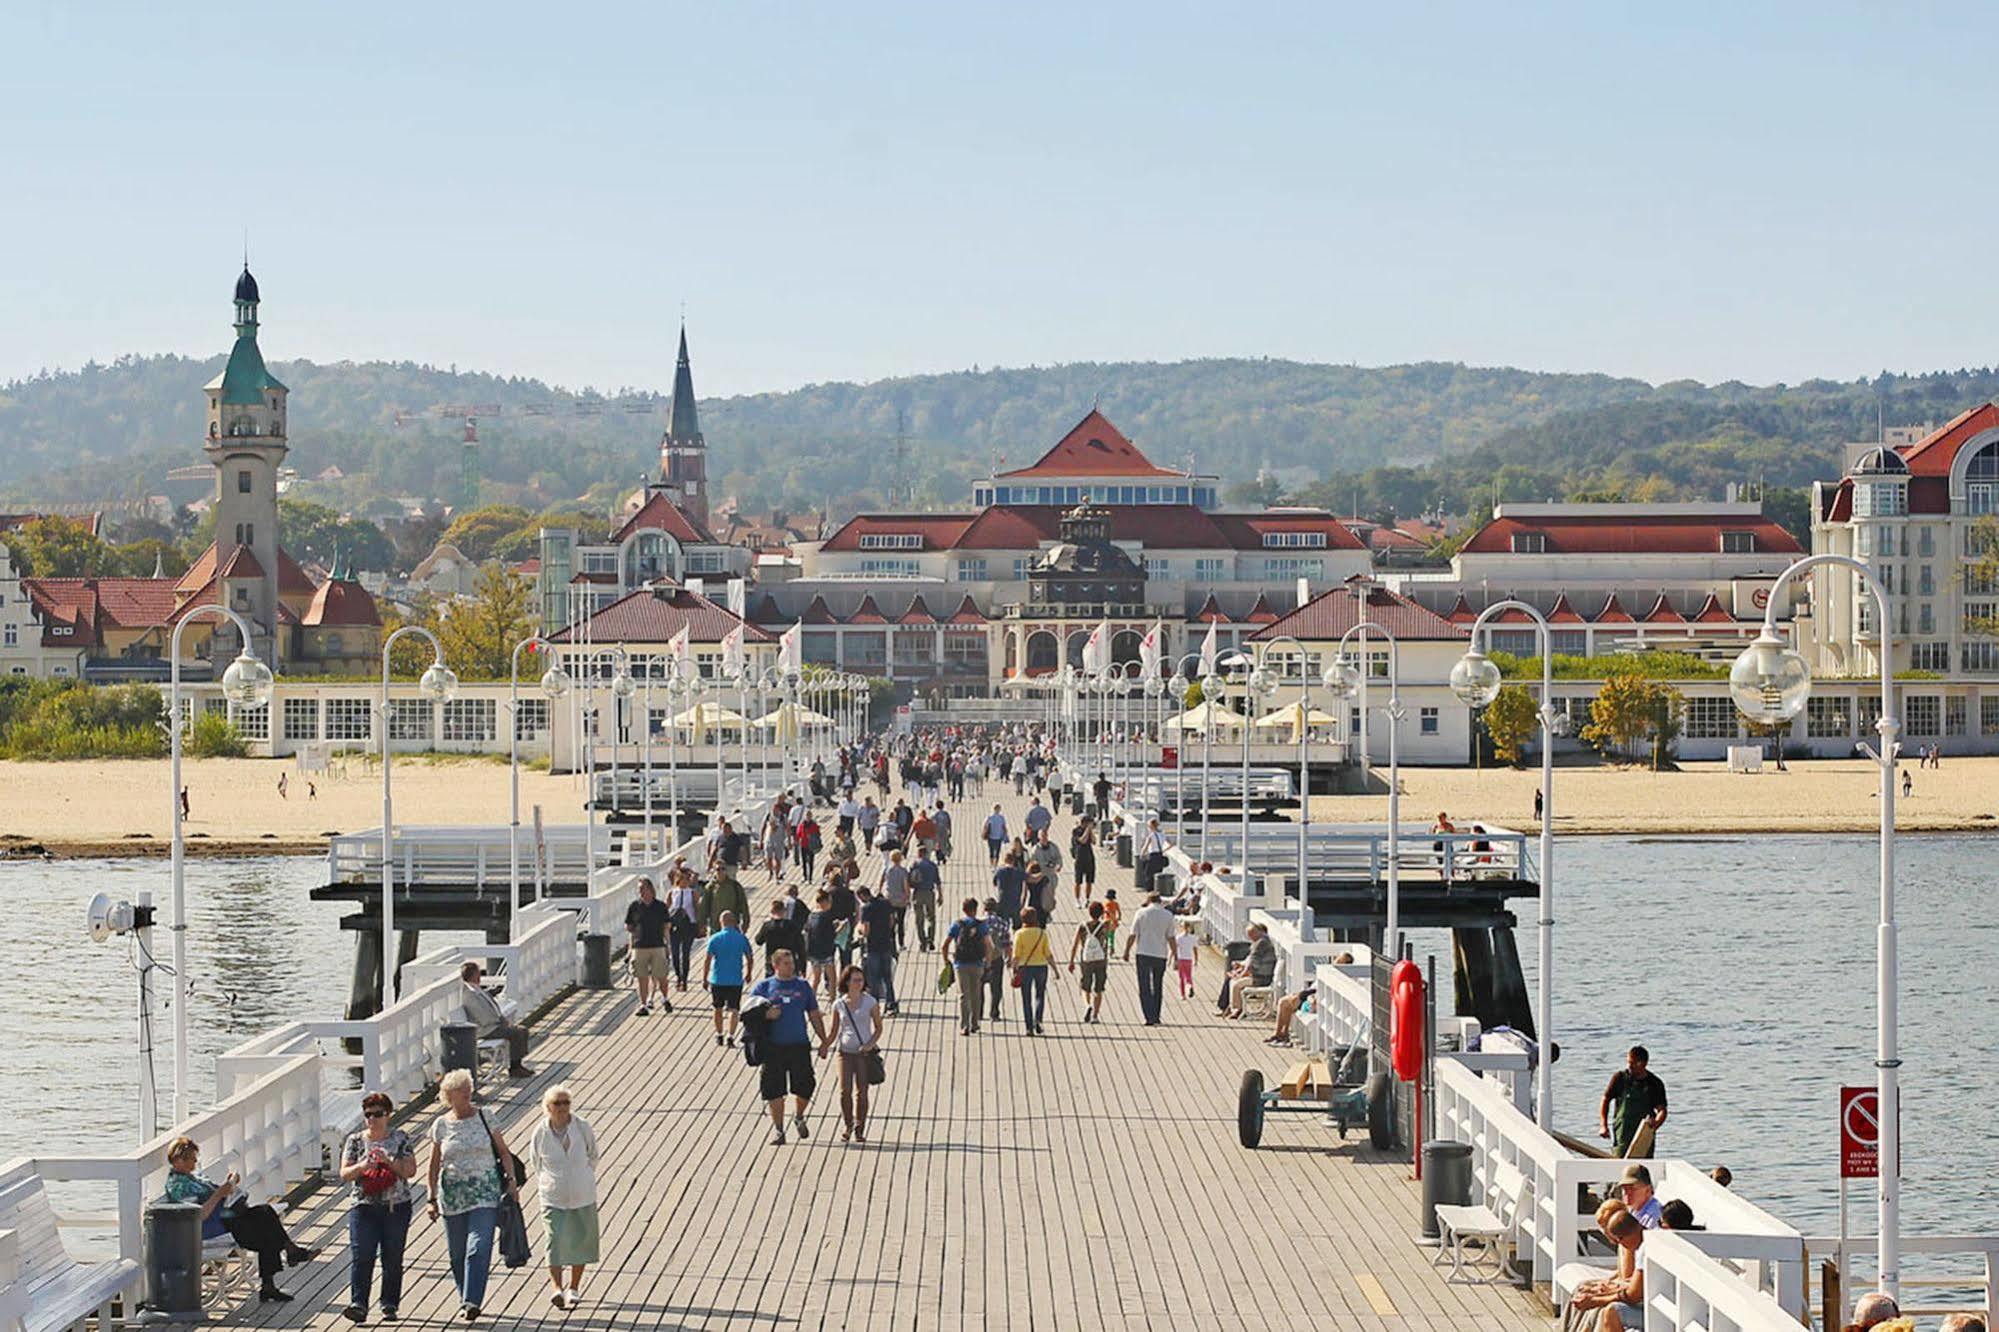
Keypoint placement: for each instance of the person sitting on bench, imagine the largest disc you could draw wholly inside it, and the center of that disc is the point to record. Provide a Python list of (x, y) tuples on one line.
[(1254, 972), (256, 1229), (483, 1012)]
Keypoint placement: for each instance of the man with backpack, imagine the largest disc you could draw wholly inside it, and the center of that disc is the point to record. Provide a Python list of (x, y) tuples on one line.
[(968, 944)]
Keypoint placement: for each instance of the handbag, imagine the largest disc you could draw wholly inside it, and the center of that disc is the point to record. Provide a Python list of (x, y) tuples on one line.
[(511, 1232), (876, 1066), (946, 977), (1015, 982), (520, 1166)]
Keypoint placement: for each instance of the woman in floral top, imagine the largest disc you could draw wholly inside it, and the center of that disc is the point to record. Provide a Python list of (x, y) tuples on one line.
[(223, 1211), (466, 1185), (378, 1163)]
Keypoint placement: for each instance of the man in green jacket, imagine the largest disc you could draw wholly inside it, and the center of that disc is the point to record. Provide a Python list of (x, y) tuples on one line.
[(723, 892)]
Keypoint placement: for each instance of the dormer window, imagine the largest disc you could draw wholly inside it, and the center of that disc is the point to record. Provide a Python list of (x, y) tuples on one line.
[(892, 541), (1530, 543), (1294, 540), (1738, 543)]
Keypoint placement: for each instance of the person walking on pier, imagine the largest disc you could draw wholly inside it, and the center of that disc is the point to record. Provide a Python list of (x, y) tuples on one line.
[(924, 881), (1151, 939), (857, 1031), (729, 955), (995, 835), (724, 894), (1083, 861), (780, 933), (1092, 941), (895, 891), (1038, 818), (1032, 957), (970, 949), (683, 918), (1634, 1105), (483, 1012), (999, 950), (1048, 856), (868, 820), (808, 841), (564, 1151), (787, 1049), (880, 942), (646, 924), (378, 1163), (471, 1169), (1010, 884)]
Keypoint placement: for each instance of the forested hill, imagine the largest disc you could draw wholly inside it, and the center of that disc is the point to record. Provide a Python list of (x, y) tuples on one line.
[(1404, 437)]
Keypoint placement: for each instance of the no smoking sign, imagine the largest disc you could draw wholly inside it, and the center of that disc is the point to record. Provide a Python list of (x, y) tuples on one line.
[(1859, 1132)]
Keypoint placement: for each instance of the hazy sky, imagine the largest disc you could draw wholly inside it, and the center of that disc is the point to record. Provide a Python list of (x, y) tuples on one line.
[(862, 190)]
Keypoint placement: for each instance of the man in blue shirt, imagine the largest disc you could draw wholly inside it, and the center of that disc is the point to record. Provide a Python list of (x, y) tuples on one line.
[(1038, 818), (787, 1050), (728, 964), (995, 832)]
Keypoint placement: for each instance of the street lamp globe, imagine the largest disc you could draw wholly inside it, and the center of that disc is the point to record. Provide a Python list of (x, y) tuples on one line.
[(1261, 682), (247, 682), (1769, 681), (439, 682), (1154, 686), (1342, 677), (555, 683), (622, 683), (1212, 687), (1475, 679)]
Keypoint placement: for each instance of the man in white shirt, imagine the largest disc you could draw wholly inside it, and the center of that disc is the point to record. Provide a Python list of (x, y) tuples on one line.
[(850, 809), (1151, 938), (483, 1012), (1151, 854)]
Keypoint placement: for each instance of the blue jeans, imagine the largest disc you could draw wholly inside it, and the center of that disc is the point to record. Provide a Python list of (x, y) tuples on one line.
[(1151, 973), (469, 1236), (1033, 993), (879, 969), (373, 1230)]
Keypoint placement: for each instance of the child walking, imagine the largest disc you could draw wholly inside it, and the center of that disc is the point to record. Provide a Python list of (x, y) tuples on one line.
[(1183, 958)]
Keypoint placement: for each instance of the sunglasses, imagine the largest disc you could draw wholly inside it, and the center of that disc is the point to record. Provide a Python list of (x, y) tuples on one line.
[(558, 1103), (375, 1114)]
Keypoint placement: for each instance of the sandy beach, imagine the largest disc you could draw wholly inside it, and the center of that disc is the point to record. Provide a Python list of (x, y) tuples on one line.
[(120, 807)]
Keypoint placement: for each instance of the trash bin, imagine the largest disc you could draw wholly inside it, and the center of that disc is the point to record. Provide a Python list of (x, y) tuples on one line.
[(460, 1046), (1076, 803), (1124, 852), (596, 961), (1446, 1180), (173, 1258)]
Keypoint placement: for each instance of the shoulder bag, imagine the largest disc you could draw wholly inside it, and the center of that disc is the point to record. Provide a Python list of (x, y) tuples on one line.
[(510, 1229)]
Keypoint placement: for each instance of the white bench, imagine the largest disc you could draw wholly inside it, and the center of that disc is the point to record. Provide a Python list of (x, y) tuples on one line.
[(1489, 1225), (224, 1266), (43, 1289)]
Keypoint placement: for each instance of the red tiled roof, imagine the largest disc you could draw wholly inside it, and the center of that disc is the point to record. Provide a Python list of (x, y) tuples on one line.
[(1613, 612), (1837, 506), (867, 612), (939, 531), (663, 514), (1093, 447), (1662, 612), (1933, 454), (1461, 612), (531, 565), (1260, 613), (1210, 613), (340, 603), (1330, 614), (1513, 615), (918, 613), (1563, 612), (967, 612), (656, 614), (1631, 534), (292, 580), (766, 611), (242, 563), (91, 523), (818, 613), (1713, 612), (1245, 531)]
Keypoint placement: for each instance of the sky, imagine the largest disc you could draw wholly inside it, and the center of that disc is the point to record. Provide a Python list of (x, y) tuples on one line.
[(834, 192)]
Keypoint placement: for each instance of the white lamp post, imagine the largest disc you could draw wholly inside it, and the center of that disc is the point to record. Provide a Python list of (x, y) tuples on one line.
[(437, 685), (1304, 774), (1344, 680), (678, 688), (1770, 683), (1255, 684), (246, 682), (1212, 688), (554, 685), (1476, 680), (1177, 686)]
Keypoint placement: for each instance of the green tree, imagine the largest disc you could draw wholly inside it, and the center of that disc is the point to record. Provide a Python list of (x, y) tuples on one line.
[(1511, 719), (479, 635), (1631, 709), (478, 531), (315, 532), (55, 547)]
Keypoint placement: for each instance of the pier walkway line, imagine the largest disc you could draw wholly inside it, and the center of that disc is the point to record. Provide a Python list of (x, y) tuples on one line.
[(1088, 1179)]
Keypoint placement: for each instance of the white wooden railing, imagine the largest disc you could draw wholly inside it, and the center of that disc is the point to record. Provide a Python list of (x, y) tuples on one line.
[(1498, 853), (454, 855), (1983, 1249), (1688, 1290)]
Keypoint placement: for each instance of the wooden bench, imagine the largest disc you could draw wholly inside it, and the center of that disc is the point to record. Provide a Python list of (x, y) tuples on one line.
[(46, 1289), (1489, 1225), (224, 1266)]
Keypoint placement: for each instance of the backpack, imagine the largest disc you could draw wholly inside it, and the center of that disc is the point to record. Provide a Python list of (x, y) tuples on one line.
[(970, 946)]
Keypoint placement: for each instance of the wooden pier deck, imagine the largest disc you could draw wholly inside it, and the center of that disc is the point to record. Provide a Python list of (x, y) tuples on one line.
[(1090, 1179)]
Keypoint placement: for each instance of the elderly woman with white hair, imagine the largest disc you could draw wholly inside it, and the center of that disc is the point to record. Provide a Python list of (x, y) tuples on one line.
[(564, 1152), (471, 1170)]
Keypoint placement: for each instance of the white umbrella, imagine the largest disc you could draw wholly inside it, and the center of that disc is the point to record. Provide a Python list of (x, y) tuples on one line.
[(1203, 715)]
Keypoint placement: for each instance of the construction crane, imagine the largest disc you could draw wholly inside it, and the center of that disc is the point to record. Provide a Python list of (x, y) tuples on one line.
[(574, 407)]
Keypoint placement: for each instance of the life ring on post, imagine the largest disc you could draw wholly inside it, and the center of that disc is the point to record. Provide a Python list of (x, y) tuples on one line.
[(1405, 996)]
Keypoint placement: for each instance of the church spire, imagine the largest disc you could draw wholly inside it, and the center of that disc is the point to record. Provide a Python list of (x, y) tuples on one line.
[(686, 423), (683, 453)]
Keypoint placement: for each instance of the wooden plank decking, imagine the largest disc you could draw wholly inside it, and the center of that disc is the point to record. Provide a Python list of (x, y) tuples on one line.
[(1091, 1179)]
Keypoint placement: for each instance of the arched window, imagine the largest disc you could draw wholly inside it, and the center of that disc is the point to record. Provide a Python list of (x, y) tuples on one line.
[(1981, 480)]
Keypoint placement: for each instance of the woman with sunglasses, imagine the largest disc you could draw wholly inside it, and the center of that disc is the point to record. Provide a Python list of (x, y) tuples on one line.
[(378, 1163), (564, 1152)]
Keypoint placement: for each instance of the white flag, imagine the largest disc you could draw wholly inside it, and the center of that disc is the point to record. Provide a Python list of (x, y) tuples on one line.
[(1148, 648), (680, 648), (739, 598), (732, 652), (791, 650), (1208, 649), (1096, 650)]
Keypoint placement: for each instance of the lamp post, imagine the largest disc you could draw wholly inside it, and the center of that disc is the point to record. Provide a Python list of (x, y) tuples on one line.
[(1770, 683), (1212, 688), (554, 685), (623, 686), (437, 685), (1343, 680), (1177, 687), (1476, 680), (246, 682), (678, 688), (1304, 774)]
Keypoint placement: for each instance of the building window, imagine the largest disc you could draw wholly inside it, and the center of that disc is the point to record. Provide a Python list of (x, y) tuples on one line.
[(1738, 543), (1924, 713), (890, 568), (1294, 540), (1929, 656), (704, 560), (11, 635), (1711, 719), (1926, 581), (301, 719), (1021, 564), (1978, 658), (242, 481), (891, 541), (1426, 721), (251, 723), (972, 571), (1880, 499), (349, 719), (1953, 715), (1530, 543), (1827, 718), (1988, 714), (1925, 543), (471, 719), (1979, 617), (1158, 568), (1207, 571), (1294, 568), (409, 719)]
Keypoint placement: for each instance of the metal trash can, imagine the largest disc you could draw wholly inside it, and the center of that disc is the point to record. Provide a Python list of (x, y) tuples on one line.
[(1446, 1180), (1124, 852), (459, 1042), (1076, 804), (173, 1258), (596, 961)]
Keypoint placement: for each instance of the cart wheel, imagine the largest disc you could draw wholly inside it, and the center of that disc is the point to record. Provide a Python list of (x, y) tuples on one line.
[(1381, 1112), (1249, 1108)]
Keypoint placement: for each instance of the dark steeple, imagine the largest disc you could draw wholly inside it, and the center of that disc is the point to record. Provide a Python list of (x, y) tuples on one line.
[(686, 424), (683, 454)]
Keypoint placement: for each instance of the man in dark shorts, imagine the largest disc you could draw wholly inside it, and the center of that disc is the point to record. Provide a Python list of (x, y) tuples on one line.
[(1634, 1100), (879, 949), (728, 966), (787, 1049), (645, 924)]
